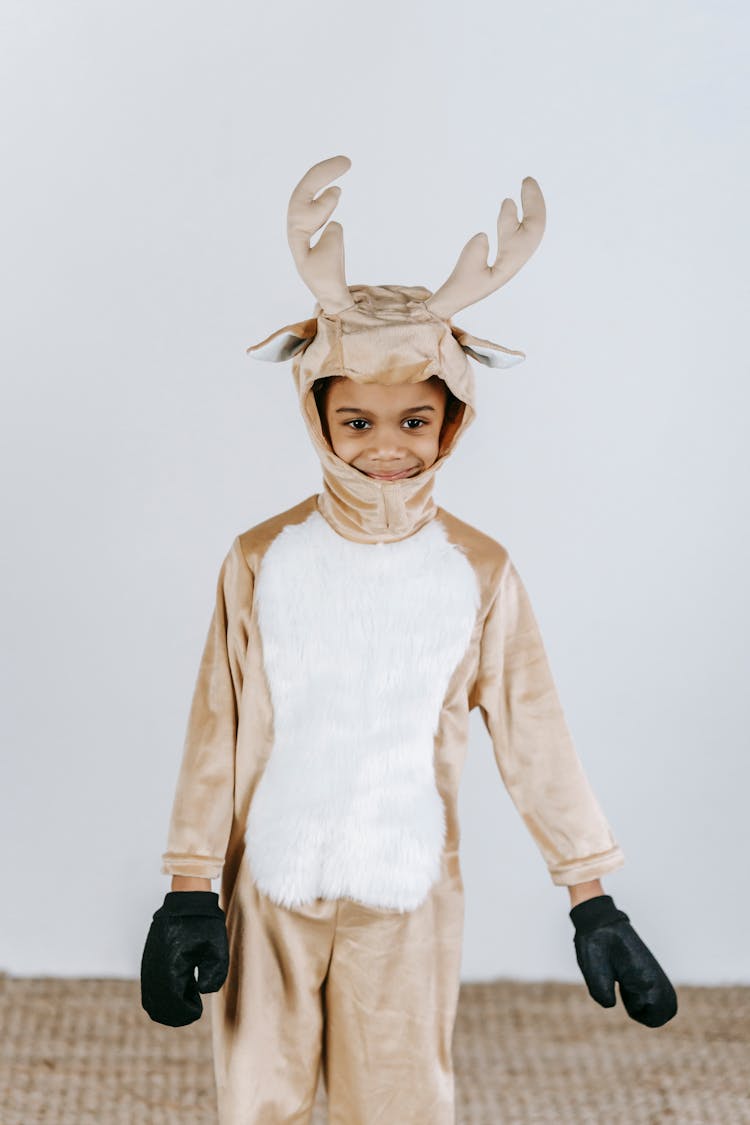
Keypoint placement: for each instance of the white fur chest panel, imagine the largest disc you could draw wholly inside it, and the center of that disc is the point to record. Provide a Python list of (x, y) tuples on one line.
[(360, 641)]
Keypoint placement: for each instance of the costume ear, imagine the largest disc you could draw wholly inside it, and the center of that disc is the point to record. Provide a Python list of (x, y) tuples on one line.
[(494, 355), (285, 342)]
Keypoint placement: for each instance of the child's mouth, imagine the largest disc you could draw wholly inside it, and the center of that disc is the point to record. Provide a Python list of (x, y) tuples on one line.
[(392, 476)]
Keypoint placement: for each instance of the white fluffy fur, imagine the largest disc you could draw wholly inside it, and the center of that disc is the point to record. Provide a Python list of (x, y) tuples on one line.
[(359, 643)]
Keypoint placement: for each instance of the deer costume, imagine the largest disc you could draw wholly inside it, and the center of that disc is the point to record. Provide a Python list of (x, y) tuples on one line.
[(352, 635)]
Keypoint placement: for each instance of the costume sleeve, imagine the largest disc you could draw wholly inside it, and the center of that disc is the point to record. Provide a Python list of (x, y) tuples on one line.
[(203, 805), (538, 763)]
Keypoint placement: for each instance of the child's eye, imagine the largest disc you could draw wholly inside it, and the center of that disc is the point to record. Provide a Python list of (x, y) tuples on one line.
[(421, 421)]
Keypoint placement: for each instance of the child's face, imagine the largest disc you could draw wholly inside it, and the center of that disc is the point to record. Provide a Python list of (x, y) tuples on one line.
[(385, 430)]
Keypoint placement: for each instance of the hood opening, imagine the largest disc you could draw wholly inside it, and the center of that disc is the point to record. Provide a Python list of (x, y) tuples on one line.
[(454, 413)]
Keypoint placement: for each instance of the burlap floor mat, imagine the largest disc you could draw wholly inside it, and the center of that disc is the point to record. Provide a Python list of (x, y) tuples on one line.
[(83, 1052)]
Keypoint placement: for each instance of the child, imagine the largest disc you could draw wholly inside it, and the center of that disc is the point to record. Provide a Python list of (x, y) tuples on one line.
[(351, 637)]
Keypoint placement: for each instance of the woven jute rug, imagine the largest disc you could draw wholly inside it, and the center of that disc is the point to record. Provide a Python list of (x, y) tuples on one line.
[(83, 1052)]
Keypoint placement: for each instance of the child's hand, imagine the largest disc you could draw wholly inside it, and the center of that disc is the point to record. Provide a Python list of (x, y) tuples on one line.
[(187, 932), (609, 949)]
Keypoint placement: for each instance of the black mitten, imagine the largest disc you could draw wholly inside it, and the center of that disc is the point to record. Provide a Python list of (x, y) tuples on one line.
[(188, 930), (609, 949)]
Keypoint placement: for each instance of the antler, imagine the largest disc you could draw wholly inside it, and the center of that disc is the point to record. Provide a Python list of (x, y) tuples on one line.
[(321, 266), (472, 279)]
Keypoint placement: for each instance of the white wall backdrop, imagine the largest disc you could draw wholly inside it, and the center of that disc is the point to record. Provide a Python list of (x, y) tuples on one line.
[(149, 151)]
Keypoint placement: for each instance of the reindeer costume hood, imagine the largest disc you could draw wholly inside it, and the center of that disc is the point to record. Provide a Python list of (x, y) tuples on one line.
[(389, 334)]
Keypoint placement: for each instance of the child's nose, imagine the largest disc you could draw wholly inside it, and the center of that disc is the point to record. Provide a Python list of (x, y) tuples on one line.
[(389, 444)]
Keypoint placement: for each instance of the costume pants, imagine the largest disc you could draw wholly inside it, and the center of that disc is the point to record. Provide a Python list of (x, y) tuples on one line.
[(366, 996)]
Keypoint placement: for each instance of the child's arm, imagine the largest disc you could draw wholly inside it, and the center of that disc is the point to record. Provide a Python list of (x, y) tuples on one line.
[(538, 763), (189, 883), (580, 892), (188, 931), (544, 776), (203, 805)]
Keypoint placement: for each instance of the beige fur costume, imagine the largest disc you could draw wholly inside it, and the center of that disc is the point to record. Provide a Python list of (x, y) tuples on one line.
[(352, 635)]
